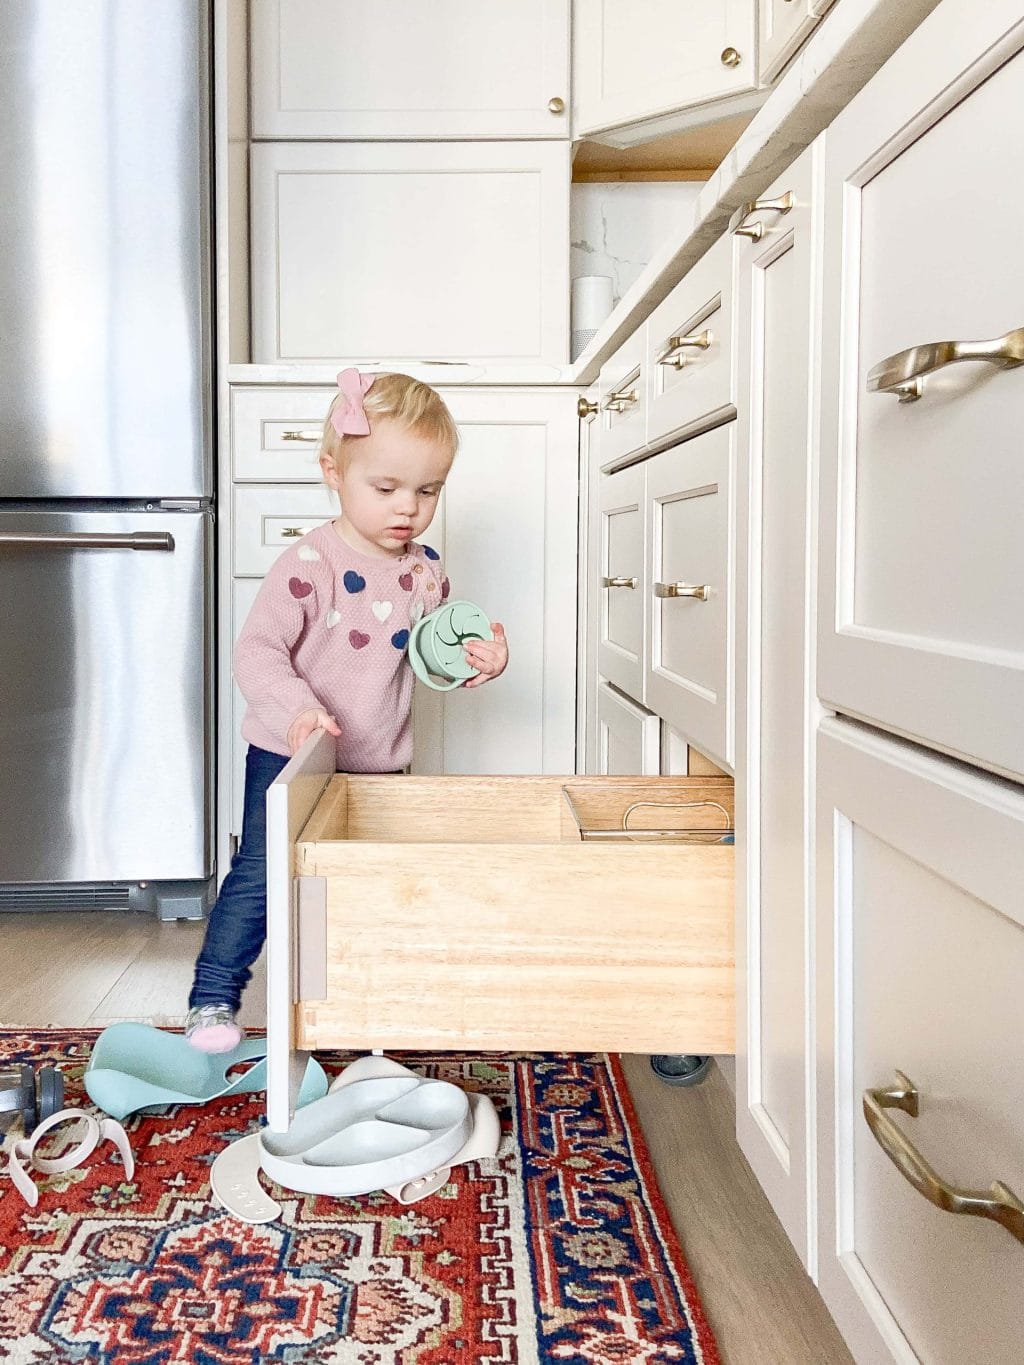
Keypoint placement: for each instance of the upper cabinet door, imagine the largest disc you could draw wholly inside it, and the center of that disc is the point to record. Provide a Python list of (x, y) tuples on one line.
[(636, 59), (410, 251), (921, 629), (405, 69)]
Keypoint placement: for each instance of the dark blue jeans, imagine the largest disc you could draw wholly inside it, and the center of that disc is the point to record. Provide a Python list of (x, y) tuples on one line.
[(237, 925)]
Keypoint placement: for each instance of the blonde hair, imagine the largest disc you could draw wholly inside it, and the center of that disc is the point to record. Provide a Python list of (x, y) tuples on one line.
[(408, 403)]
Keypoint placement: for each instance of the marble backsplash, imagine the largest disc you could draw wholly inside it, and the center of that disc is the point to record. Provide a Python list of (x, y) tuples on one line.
[(616, 227)]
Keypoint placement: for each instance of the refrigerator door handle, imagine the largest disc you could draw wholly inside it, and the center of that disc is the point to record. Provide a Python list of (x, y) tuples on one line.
[(89, 540)]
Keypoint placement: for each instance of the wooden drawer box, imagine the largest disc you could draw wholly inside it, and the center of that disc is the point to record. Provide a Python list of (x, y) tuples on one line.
[(496, 912)]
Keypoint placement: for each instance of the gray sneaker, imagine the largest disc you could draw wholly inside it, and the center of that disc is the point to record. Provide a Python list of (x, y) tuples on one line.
[(213, 1028)]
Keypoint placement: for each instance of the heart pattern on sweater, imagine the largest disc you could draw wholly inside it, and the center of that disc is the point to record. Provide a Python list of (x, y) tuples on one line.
[(332, 618), (405, 581), (298, 588), (353, 581), (357, 639), (307, 553), (382, 610)]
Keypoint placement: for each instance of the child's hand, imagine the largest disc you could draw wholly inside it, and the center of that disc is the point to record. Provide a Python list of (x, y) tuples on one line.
[(489, 657), (305, 723)]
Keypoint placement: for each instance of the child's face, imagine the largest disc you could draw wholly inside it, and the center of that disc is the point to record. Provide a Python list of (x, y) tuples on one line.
[(388, 487)]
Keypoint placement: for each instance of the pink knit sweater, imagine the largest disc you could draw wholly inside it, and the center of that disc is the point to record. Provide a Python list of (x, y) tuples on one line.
[(330, 628)]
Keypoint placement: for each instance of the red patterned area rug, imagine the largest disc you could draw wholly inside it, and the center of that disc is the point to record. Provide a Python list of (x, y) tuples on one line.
[(561, 1250)]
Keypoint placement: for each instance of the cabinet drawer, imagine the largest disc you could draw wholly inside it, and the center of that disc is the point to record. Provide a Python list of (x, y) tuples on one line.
[(689, 593), (622, 396), (689, 337), (922, 557), (275, 433), (628, 736), (268, 520), (449, 251), (620, 579), (919, 874)]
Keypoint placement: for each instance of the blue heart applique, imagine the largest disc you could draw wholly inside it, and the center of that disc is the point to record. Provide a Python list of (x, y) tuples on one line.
[(353, 582), (400, 639), (431, 554)]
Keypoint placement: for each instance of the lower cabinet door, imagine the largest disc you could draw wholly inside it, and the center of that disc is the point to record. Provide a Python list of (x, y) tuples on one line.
[(628, 737), (689, 591), (619, 588), (920, 953)]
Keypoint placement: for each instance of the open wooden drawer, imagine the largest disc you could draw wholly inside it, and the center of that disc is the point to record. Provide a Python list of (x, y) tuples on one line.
[(495, 913)]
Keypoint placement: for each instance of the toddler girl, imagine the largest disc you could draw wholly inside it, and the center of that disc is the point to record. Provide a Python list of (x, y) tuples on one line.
[(325, 646)]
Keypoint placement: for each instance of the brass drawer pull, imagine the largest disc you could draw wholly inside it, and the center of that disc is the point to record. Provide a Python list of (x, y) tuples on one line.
[(675, 345), (620, 582), (903, 373), (620, 399), (300, 436), (701, 591), (998, 1203), (755, 231), (290, 532)]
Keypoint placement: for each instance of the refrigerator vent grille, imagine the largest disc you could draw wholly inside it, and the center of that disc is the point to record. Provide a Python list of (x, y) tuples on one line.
[(55, 896)]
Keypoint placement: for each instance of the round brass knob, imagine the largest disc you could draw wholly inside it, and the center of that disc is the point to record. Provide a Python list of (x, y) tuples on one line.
[(584, 408), (557, 105), (730, 57)]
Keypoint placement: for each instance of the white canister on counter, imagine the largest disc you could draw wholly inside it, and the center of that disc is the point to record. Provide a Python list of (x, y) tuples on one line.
[(592, 301)]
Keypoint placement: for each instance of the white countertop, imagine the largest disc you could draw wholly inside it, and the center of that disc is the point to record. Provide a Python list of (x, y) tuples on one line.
[(855, 38)]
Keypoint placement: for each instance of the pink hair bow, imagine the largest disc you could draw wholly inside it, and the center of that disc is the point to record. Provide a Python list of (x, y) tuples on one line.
[(348, 417)]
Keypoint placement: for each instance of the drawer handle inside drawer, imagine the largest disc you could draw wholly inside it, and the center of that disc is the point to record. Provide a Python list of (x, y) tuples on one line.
[(998, 1202), (903, 373), (310, 436), (701, 591), (755, 231), (675, 347), (620, 399), (621, 582)]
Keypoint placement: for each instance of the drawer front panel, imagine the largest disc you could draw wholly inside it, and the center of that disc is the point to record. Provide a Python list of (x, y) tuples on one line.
[(622, 395), (922, 556), (275, 433), (920, 868), (689, 337), (620, 581), (629, 738), (268, 520), (689, 637)]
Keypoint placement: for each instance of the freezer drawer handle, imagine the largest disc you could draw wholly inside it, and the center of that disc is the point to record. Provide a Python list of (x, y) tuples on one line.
[(89, 540), (903, 373), (701, 591), (998, 1202)]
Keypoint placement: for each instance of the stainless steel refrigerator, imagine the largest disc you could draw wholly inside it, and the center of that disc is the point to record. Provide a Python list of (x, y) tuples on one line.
[(106, 480)]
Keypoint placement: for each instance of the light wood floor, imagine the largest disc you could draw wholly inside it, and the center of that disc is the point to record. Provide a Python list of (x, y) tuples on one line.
[(96, 968)]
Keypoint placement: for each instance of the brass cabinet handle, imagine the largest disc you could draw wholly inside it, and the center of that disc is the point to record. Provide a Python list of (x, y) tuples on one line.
[(585, 408), (290, 532), (730, 57), (300, 436), (557, 105), (738, 224), (620, 582), (903, 373), (998, 1202), (620, 399), (671, 354), (701, 591)]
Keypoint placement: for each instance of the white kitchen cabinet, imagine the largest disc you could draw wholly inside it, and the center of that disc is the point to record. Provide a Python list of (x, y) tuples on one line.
[(618, 588), (920, 951), (688, 351), (629, 736), (641, 59), (922, 557), (590, 594), (503, 530), (785, 25), (401, 69), (688, 599), (276, 432), (622, 401), (776, 707), (449, 251)]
